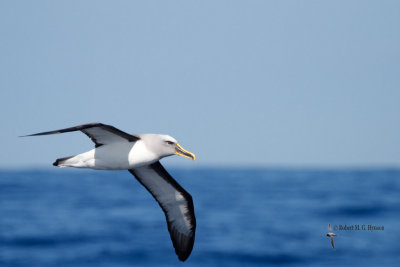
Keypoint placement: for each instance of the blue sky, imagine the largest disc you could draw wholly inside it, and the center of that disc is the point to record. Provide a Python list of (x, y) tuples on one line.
[(268, 83)]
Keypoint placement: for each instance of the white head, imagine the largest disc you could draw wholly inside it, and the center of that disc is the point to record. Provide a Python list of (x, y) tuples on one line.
[(165, 145)]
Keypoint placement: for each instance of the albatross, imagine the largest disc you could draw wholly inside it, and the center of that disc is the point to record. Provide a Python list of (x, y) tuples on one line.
[(140, 154)]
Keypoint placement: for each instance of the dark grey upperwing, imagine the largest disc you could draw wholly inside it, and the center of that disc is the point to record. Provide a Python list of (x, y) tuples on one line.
[(101, 134), (176, 203)]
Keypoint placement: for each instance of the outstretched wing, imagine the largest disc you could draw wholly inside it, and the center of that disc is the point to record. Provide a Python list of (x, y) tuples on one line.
[(176, 203), (329, 228), (333, 244), (101, 134)]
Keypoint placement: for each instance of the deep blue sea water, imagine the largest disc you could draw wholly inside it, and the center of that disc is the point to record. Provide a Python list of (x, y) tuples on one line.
[(245, 217)]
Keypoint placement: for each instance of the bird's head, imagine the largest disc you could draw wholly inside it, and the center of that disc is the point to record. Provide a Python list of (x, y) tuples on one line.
[(165, 145)]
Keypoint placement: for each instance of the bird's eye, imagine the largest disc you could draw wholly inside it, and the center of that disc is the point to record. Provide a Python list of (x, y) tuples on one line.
[(169, 142)]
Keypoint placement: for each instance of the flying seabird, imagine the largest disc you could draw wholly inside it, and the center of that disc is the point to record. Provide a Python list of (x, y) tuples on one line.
[(140, 155), (331, 235)]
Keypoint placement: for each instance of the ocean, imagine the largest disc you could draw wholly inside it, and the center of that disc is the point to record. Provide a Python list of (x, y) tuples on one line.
[(245, 217)]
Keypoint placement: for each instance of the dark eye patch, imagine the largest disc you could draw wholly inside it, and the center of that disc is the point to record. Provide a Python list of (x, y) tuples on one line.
[(169, 142)]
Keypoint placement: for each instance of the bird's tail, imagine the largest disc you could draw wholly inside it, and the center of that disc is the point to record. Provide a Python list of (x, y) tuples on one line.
[(61, 162)]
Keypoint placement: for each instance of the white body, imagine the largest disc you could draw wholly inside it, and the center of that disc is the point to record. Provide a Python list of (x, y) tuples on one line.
[(115, 156)]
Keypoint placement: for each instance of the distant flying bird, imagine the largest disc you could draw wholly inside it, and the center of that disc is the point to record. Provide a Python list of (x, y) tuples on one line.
[(331, 235), (140, 155)]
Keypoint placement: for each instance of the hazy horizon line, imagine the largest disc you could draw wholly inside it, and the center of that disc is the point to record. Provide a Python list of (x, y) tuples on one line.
[(283, 167)]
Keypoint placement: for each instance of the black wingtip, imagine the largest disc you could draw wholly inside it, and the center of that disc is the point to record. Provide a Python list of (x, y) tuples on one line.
[(183, 258), (183, 244), (31, 135), (184, 255)]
